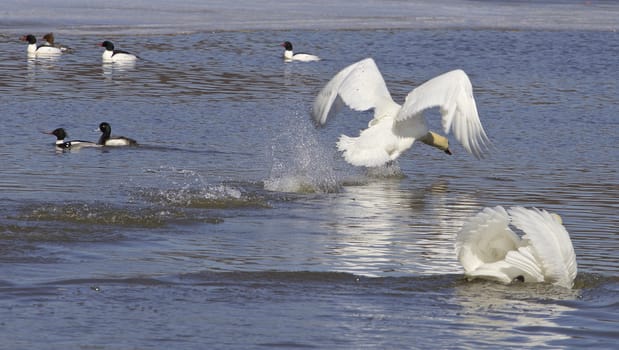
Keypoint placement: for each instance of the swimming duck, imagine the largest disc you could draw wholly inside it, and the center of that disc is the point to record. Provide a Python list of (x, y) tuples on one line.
[(107, 140), (50, 41), (112, 55), (289, 55), (61, 143)]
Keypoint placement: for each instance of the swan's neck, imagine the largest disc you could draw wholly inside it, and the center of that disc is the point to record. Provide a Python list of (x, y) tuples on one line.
[(435, 140)]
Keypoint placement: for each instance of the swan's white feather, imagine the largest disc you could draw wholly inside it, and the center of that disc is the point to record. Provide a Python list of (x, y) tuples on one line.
[(525, 264), (453, 93), (485, 239), (499, 271), (375, 146), (551, 244), (361, 87), (488, 248)]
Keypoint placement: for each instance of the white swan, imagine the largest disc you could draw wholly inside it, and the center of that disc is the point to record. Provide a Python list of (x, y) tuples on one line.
[(395, 128), (487, 248)]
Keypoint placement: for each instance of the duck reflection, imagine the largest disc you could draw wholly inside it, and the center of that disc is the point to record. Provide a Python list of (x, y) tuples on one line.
[(112, 68), (31, 71), (40, 62)]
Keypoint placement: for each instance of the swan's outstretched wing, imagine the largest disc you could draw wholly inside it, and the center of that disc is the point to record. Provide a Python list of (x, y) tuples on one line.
[(453, 93), (550, 243), (360, 86), (485, 239)]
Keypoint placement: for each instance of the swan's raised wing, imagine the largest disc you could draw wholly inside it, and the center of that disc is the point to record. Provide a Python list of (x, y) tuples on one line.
[(360, 86), (485, 239), (453, 93), (550, 243)]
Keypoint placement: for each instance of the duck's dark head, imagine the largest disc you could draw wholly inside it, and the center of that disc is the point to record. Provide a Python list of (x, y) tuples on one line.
[(105, 127), (108, 45), (29, 38), (106, 131), (287, 45), (60, 133)]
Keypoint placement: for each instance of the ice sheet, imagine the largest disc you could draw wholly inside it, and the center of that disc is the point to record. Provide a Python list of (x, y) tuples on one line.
[(158, 16)]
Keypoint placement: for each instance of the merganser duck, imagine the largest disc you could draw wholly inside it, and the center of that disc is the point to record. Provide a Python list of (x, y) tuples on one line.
[(49, 41), (61, 134), (111, 55), (303, 57), (395, 127), (107, 140), (34, 50), (488, 249)]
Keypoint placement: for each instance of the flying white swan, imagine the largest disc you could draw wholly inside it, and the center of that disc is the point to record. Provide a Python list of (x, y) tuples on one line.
[(487, 248), (395, 128)]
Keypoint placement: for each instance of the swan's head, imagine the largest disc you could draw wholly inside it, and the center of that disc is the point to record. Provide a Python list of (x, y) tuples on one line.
[(557, 218), (435, 140)]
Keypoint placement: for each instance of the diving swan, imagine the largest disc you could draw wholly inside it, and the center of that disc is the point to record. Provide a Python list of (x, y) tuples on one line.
[(488, 249)]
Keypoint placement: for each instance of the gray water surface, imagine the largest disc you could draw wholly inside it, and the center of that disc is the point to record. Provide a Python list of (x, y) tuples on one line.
[(236, 224)]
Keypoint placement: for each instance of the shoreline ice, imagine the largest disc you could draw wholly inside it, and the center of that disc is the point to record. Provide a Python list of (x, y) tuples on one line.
[(164, 17)]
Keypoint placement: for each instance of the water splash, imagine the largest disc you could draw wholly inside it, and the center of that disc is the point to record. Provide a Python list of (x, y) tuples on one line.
[(190, 189), (300, 162), (389, 170)]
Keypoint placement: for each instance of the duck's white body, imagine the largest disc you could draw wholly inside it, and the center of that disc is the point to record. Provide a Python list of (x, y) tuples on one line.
[(395, 127), (74, 144), (44, 50), (289, 55), (111, 56), (488, 249), (119, 141)]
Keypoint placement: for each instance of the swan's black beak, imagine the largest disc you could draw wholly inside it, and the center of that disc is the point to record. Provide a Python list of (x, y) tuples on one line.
[(448, 151)]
